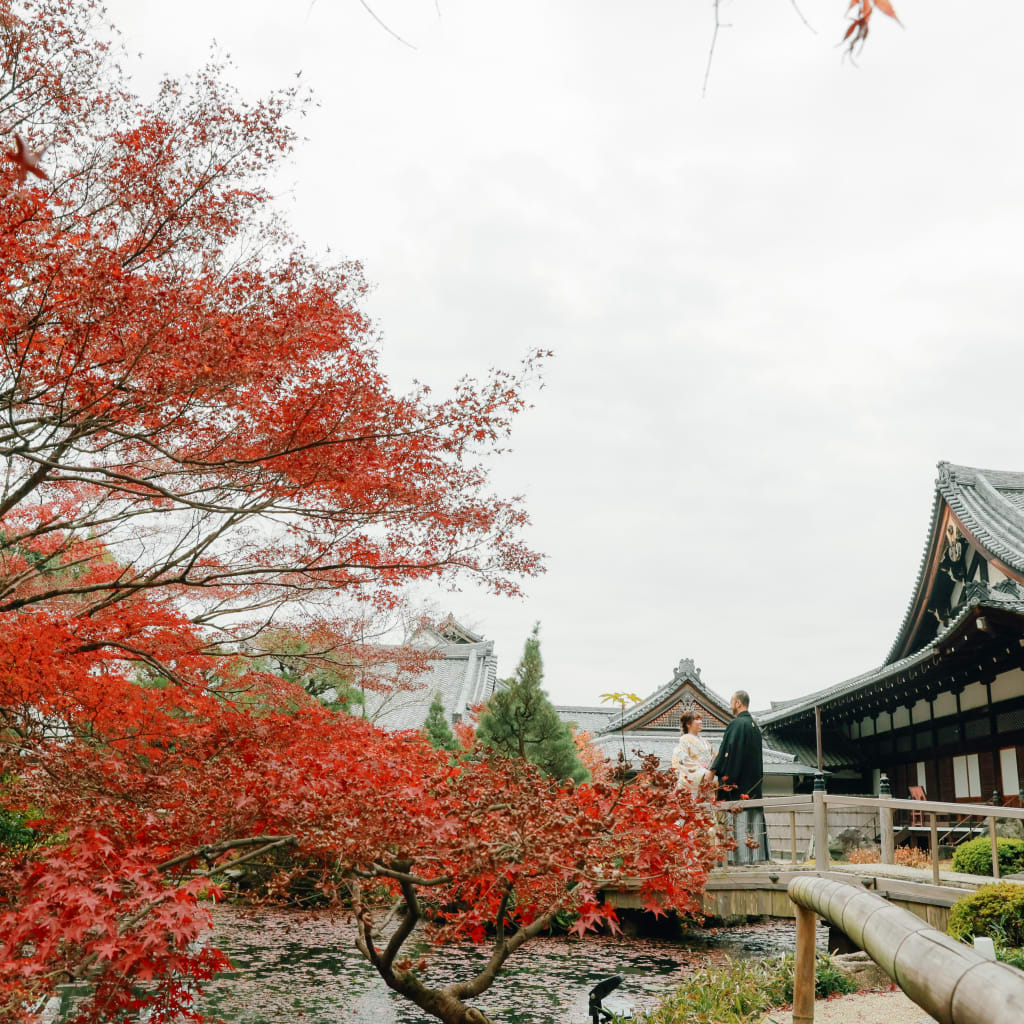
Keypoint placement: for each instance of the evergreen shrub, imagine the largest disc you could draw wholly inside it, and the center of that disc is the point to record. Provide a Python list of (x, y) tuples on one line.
[(436, 728), (975, 857), (520, 721), (994, 910)]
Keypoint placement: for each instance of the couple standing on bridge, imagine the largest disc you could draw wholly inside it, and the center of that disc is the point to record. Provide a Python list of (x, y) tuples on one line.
[(739, 767)]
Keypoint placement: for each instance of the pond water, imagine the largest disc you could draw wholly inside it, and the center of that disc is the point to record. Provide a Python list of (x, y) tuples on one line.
[(304, 967)]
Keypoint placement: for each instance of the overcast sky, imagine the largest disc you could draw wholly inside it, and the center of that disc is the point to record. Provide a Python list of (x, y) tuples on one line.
[(773, 309)]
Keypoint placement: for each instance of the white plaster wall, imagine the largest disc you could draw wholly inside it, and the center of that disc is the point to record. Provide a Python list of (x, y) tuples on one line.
[(1008, 685), (945, 704), (974, 696), (901, 718)]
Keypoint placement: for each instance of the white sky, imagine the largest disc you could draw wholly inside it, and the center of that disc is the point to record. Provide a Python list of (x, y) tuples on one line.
[(773, 309)]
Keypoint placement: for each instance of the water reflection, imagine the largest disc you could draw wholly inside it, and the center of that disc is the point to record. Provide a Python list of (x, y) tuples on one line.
[(297, 965)]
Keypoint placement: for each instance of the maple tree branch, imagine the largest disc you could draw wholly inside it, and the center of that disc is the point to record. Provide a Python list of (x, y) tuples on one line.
[(485, 978), (412, 917), (800, 15), (212, 850), (286, 841), (364, 924), (400, 876), (379, 929), (499, 917), (711, 49), (391, 32)]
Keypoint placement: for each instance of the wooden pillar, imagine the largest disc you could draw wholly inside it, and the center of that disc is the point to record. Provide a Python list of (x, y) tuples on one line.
[(821, 854), (997, 768), (934, 845), (995, 847), (931, 729), (792, 832), (885, 822), (915, 746), (803, 969)]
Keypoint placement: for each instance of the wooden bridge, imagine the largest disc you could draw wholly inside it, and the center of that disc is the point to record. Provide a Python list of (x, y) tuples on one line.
[(761, 889)]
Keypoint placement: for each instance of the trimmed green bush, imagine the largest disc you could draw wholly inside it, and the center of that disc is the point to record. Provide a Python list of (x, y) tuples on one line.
[(994, 910), (742, 992), (975, 857)]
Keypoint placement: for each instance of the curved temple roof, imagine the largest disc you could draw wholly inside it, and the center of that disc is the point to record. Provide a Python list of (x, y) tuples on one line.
[(988, 505), (790, 710)]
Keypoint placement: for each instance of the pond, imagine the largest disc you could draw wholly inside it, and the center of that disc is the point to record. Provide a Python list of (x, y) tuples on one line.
[(302, 966)]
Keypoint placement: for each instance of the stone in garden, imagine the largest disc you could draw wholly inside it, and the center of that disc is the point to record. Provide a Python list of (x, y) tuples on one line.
[(849, 839), (863, 971)]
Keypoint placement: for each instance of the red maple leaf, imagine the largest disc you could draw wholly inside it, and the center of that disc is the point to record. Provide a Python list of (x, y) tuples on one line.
[(27, 160)]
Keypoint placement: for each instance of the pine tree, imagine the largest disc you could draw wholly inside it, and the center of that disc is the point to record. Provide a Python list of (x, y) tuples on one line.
[(436, 728), (520, 721)]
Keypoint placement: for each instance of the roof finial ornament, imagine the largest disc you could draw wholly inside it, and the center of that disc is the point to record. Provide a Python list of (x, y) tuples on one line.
[(687, 669)]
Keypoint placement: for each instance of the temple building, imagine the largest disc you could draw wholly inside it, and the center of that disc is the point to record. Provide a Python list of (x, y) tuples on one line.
[(944, 712), (652, 727), (462, 672)]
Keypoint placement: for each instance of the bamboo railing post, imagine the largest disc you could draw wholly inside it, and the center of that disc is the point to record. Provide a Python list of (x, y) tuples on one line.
[(995, 847), (885, 821), (803, 968), (933, 842), (821, 860), (792, 833), (949, 981)]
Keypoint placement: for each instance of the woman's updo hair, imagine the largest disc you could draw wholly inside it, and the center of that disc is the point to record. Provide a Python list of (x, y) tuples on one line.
[(687, 717)]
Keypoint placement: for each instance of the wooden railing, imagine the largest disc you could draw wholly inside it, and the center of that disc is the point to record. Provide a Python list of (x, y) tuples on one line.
[(948, 980), (819, 802)]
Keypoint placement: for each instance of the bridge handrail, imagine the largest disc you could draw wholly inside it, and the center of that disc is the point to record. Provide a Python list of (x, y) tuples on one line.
[(819, 802), (948, 980), (806, 802)]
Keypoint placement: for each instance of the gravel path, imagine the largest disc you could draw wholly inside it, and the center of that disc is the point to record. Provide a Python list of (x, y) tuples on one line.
[(862, 1008)]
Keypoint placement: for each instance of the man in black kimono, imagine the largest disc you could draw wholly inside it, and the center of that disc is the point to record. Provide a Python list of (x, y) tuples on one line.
[(740, 769)]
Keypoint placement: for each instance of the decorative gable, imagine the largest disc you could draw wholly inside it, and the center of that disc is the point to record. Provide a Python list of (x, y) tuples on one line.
[(455, 633), (664, 707), (689, 699)]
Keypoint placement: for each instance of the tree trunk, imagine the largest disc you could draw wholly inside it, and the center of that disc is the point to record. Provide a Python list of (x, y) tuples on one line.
[(436, 1002)]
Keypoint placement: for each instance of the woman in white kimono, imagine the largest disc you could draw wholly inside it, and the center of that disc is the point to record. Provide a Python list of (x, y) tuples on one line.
[(692, 757)]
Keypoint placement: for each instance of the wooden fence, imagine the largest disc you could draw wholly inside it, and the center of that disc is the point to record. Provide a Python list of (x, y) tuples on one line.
[(821, 807)]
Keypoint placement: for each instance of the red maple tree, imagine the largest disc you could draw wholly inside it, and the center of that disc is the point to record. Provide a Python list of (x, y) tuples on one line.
[(199, 446), (859, 13)]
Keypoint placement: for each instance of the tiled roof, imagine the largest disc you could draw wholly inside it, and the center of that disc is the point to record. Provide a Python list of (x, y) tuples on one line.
[(684, 672), (463, 675), (990, 505), (836, 752), (586, 719), (995, 598)]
